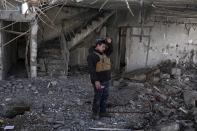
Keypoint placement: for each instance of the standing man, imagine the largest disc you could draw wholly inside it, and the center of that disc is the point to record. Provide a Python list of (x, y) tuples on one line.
[(99, 65)]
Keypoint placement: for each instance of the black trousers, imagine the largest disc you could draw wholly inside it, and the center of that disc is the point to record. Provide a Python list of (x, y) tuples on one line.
[(100, 98)]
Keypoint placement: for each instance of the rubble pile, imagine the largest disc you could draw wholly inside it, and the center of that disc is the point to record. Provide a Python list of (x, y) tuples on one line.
[(162, 98), (170, 92)]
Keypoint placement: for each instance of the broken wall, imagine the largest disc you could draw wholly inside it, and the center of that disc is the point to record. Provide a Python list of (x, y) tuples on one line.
[(168, 40)]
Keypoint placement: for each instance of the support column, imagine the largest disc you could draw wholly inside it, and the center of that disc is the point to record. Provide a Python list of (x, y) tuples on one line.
[(33, 49), (1, 49)]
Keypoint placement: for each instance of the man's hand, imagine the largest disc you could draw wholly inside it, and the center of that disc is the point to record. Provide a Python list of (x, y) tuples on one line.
[(109, 40), (98, 85)]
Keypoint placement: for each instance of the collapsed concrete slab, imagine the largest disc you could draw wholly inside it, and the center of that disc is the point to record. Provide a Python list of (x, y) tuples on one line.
[(170, 127), (190, 98)]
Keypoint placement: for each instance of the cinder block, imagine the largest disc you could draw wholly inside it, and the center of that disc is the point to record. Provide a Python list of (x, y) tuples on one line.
[(190, 98)]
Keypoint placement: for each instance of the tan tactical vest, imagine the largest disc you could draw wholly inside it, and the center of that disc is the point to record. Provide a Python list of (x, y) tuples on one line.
[(104, 64)]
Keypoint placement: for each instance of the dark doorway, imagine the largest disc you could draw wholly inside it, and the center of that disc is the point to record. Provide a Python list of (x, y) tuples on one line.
[(122, 48), (18, 69), (15, 50)]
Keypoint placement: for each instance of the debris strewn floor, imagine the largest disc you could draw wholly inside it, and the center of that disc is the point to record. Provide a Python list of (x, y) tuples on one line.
[(168, 103)]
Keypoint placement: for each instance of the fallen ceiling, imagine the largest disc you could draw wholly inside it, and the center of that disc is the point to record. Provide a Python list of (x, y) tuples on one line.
[(106, 4)]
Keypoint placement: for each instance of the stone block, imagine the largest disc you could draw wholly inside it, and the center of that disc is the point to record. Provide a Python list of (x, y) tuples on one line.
[(176, 72), (116, 83), (170, 127), (190, 98)]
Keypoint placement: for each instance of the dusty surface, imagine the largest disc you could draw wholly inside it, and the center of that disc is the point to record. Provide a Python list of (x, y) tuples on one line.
[(64, 104)]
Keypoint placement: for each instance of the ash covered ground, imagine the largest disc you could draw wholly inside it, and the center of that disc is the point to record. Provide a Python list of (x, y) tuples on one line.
[(154, 99)]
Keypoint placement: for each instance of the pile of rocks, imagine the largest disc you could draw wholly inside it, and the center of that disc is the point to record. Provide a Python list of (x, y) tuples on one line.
[(64, 104), (170, 92)]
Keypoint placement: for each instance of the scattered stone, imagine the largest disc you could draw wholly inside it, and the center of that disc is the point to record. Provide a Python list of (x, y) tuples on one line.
[(141, 77), (50, 92), (54, 83), (183, 110), (8, 127), (100, 123), (157, 71), (136, 84), (170, 127), (160, 97), (116, 83), (190, 98), (79, 102), (60, 117), (165, 76), (82, 122), (36, 92), (20, 86), (1, 121), (56, 126), (8, 99), (17, 110), (187, 79), (189, 129), (29, 85), (142, 103), (176, 72), (33, 88), (156, 79), (132, 102)]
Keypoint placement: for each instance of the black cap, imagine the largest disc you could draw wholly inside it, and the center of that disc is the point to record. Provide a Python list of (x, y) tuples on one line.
[(100, 40)]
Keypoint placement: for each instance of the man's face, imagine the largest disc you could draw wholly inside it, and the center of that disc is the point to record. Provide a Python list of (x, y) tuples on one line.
[(101, 48)]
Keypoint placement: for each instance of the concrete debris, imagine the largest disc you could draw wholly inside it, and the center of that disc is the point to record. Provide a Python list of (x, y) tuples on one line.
[(171, 127), (176, 72), (116, 83), (190, 98), (135, 104), (1, 121), (14, 111), (165, 76), (183, 110), (8, 127), (109, 129)]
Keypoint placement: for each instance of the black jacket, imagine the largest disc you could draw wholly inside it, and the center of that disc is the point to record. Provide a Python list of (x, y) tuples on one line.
[(92, 60)]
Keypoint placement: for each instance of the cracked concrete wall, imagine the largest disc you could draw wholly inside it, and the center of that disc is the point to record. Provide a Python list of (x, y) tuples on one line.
[(167, 41), (172, 42)]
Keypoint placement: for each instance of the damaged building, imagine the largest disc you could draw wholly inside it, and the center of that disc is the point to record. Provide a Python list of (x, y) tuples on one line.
[(44, 46)]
